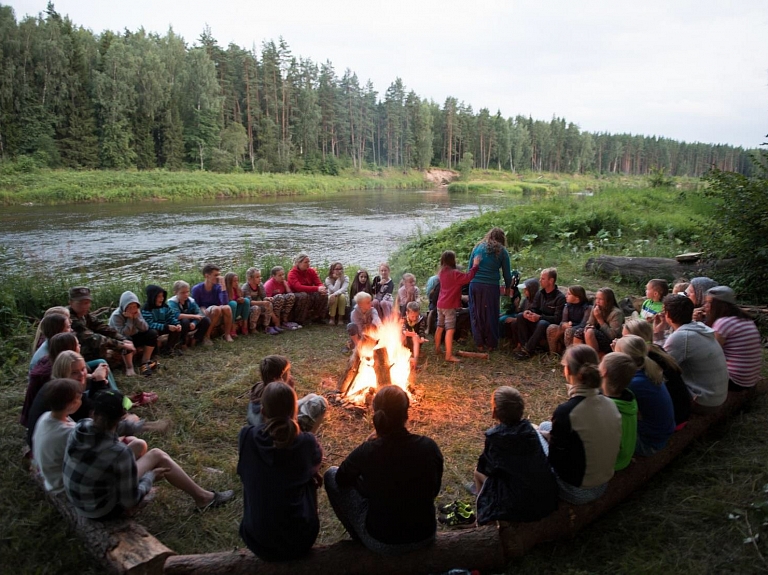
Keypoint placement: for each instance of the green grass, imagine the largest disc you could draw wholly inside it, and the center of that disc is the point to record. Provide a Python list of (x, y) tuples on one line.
[(679, 522), (70, 186)]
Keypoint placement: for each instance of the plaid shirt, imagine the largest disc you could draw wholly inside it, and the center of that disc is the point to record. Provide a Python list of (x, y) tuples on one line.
[(100, 472)]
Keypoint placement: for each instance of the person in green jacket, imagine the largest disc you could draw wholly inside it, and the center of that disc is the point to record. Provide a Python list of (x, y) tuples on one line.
[(617, 370)]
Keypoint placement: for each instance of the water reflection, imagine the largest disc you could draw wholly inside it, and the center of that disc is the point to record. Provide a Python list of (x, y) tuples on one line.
[(144, 239)]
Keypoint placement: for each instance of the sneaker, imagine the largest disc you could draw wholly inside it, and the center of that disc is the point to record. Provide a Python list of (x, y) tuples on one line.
[(455, 505), (219, 498), (292, 325), (278, 329), (145, 369), (272, 331), (522, 355), (458, 518)]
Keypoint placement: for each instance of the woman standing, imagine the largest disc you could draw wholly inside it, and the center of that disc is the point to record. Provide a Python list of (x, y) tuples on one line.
[(484, 295)]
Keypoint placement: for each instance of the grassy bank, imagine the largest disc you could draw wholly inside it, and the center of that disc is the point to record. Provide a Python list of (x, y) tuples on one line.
[(566, 229), (70, 186), (680, 521)]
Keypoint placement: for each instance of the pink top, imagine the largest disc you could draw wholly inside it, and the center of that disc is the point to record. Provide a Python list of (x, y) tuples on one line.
[(742, 349), (451, 281), (306, 281), (272, 287)]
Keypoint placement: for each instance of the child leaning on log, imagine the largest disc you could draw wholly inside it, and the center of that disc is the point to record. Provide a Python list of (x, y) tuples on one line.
[(513, 478)]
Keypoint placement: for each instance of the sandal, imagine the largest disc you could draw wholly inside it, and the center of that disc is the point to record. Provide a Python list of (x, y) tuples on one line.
[(143, 398)]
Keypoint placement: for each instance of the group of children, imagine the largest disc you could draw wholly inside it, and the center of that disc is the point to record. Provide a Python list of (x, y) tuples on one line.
[(630, 384)]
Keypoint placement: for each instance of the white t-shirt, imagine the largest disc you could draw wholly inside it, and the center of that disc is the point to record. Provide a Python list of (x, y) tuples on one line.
[(49, 442)]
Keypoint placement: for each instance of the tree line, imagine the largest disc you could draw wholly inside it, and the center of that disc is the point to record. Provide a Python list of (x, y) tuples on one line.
[(72, 98)]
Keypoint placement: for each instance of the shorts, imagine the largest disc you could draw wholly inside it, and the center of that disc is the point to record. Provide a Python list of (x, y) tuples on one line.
[(446, 318)]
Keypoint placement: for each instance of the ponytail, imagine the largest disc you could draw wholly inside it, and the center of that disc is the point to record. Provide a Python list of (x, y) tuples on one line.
[(583, 365), (636, 348), (278, 405), (390, 410)]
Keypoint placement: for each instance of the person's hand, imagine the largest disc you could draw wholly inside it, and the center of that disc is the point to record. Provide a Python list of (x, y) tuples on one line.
[(174, 328), (323, 290), (161, 472), (131, 418), (240, 300), (699, 314), (423, 340), (476, 261), (317, 480), (597, 313), (410, 333), (192, 326), (101, 372), (127, 345), (613, 345)]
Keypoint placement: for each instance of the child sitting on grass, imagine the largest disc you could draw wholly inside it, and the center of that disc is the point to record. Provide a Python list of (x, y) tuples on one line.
[(513, 479), (283, 299), (162, 318), (414, 330), (311, 407), (191, 317), (238, 303), (407, 293), (261, 305), (449, 300), (102, 477), (279, 467), (617, 370)]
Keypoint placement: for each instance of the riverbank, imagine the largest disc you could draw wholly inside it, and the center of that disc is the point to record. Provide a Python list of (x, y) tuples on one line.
[(45, 187)]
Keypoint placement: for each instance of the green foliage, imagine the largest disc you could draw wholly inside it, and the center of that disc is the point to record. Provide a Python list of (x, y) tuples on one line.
[(658, 178), (465, 166), (739, 227)]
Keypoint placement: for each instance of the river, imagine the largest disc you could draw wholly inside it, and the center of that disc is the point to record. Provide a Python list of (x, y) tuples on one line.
[(126, 241)]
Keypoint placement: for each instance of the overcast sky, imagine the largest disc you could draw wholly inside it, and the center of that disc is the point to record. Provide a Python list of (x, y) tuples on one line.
[(694, 70)]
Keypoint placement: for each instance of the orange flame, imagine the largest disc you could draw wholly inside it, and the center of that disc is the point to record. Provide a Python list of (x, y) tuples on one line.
[(389, 336)]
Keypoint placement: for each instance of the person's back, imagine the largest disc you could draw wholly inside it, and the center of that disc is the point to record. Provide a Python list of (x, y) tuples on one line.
[(702, 361), (400, 475), (279, 501), (50, 442), (657, 414), (740, 340), (520, 485)]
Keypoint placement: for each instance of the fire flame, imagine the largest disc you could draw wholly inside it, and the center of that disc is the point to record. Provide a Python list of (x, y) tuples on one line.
[(390, 337)]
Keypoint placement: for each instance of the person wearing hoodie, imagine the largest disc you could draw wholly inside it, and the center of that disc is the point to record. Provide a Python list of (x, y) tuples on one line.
[(164, 319), (102, 478), (279, 466), (616, 372), (695, 349), (191, 317), (696, 292), (127, 320), (513, 479)]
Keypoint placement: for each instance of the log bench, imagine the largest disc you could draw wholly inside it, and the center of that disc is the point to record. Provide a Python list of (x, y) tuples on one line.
[(126, 547), (642, 269)]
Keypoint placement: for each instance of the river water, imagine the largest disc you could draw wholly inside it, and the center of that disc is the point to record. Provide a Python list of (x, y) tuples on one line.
[(126, 241)]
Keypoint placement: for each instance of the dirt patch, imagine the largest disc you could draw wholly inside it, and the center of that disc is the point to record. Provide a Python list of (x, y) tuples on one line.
[(441, 177)]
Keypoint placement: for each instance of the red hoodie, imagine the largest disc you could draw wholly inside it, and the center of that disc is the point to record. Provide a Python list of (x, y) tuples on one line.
[(306, 281)]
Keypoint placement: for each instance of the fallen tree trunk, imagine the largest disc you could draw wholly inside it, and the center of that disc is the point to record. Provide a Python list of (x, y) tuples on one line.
[(121, 546), (643, 269), (518, 538), (478, 548)]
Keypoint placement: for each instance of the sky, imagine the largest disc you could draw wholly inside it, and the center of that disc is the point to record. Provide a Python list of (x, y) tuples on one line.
[(692, 70)]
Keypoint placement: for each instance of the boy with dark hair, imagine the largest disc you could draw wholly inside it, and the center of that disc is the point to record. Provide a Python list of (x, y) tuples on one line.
[(617, 370), (103, 479), (694, 347), (207, 294)]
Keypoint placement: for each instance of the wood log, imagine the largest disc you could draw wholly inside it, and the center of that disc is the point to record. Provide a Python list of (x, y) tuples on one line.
[(643, 269), (381, 367), (477, 548), (121, 546), (349, 376), (475, 354), (518, 538)]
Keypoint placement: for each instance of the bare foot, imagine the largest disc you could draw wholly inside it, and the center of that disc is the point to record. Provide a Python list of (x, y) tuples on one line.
[(207, 341), (129, 371), (452, 359), (228, 338)]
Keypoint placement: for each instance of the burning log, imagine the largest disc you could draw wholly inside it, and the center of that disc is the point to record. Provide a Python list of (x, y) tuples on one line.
[(381, 367), (351, 373)]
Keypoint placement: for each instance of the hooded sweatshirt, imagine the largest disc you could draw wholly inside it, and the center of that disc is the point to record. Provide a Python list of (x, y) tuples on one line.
[(700, 287), (280, 518), (100, 472), (158, 317), (705, 371), (127, 326), (520, 484), (627, 406)]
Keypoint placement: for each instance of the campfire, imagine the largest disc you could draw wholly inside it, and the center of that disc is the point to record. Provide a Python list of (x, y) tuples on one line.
[(376, 364)]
